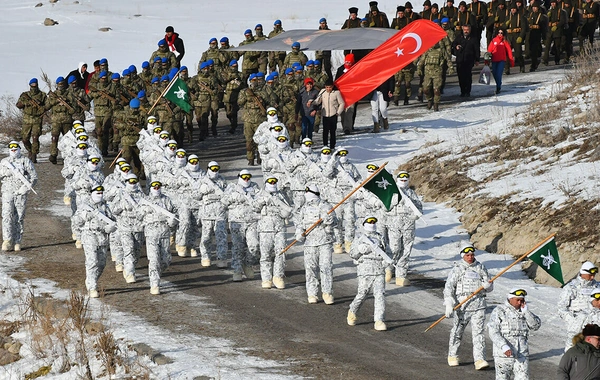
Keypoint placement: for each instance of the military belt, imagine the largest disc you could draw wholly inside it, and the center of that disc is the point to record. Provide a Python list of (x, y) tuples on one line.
[(534, 26), (515, 30), (498, 24), (589, 15), (554, 23)]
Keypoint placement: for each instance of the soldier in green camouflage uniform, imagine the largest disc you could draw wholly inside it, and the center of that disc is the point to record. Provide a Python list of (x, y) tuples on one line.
[(157, 69), (164, 52), (263, 59), (188, 116), (160, 109), (557, 18), (250, 62), (430, 64), (226, 55), (276, 58), (33, 104), (288, 101), (146, 74), (137, 83), (58, 103), (131, 122), (211, 53), (233, 85), (254, 102), (404, 77), (78, 98), (103, 96), (218, 99), (203, 89), (122, 100), (295, 56)]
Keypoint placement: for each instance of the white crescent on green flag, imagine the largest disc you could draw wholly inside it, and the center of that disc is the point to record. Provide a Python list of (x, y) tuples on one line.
[(546, 257), (179, 94), (384, 187)]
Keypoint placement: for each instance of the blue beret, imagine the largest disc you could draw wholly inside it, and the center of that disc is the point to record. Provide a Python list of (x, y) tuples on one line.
[(289, 70), (275, 73), (162, 42), (248, 31), (141, 94), (317, 62), (260, 74), (59, 79), (258, 26), (210, 62), (233, 62), (145, 64), (296, 44), (212, 40), (103, 74), (157, 59), (126, 72), (165, 60), (32, 81), (437, 21), (323, 19), (310, 62), (134, 103), (183, 68), (270, 77), (277, 22), (115, 76), (252, 76), (104, 61), (71, 79), (165, 78), (224, 39), (155, 80), (132, 69), (203, 65), (445, 20)]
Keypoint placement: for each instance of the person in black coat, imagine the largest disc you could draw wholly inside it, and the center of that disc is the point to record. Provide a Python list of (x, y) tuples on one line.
[(175, 44), (466, 50), (81, 75)]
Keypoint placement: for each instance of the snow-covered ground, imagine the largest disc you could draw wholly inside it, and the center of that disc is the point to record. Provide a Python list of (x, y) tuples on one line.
[(29, 46)]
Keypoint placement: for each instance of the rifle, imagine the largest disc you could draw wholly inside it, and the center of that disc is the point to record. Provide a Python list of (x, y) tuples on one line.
[(158, 209), (377, 249), (257, 100), (62, 101), (33, 102), (19, 175), (104, 218), (204, 86), (410, 203), (103, 94)]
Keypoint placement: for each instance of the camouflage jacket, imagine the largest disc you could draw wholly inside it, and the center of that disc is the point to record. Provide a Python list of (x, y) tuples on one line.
[(33, 104)]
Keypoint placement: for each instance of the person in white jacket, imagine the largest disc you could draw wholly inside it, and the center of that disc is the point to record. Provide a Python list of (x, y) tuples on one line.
[(18, 176), (332, 105), (508, 328)]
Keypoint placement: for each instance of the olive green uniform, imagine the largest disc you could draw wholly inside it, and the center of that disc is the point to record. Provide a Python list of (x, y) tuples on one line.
[(33, 104)]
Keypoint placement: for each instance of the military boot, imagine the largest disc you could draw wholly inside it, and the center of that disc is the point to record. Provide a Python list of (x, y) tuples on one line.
[(386, 125), (406, 101), (52, 158), (429, 104), (258, 159), (251, 162), (34, 158), (436, 107), (375, 127), (396, 100), (214, 130), (420, 98)]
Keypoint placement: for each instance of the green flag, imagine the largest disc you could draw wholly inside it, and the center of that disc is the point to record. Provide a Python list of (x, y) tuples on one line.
[(384, 187), (179, 94), (547, 258)]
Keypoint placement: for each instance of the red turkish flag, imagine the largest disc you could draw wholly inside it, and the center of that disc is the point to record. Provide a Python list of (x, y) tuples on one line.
[(389, 58)]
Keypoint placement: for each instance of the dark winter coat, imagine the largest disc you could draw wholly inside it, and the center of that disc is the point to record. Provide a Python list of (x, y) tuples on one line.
[(580, 362), (468, 51)]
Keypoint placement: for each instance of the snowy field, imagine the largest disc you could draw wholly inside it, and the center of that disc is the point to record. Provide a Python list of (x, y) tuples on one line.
[(136, 28)]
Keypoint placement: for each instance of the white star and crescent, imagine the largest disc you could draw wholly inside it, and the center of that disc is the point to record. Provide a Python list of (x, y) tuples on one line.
[(415, 37)]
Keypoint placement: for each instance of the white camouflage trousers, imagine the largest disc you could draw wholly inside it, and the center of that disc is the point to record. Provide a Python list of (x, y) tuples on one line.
[(158, 251), (271, 263), (244, 245), (318, 259), (345, 228), (219, 227), (460, 322), (13, 213), (94, 249), (400, 242), (376, 284), (116, 247), (512, 368), (131, 243)]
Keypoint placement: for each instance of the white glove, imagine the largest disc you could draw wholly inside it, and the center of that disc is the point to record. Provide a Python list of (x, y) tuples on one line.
[(172, 222), (299, 237), (486, 285), (110, 228), (524, 308), (449, 310)]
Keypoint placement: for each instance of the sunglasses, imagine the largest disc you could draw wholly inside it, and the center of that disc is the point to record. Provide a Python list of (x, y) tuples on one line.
[(519, 293), (79, 130), (592, 270), (126, 169), (164, 137), (596, 296), (13, 146), (193, 161), (246, 177), (214, 168), (342, 153), (372, 167), (371, 220), (157, 130), (403, 175), (272, 113), (94, 160), (133, 181), (172, 146), (156, 184), (77, 127), (468, 250), (272, 181)]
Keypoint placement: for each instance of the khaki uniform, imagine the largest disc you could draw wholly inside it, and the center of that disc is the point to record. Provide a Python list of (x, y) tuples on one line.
[(254, 102), (104, 98), (203, 89), (33, 104), (62, 122), (130, 123), (276, 58), (164, 52), (430, 64), (294, 57), (233, 84), (250, 62)]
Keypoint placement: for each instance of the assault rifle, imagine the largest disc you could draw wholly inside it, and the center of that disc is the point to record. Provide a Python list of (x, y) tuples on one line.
[(257, 100), (158, 209), (103, 94), (61, 101), (19, 175)]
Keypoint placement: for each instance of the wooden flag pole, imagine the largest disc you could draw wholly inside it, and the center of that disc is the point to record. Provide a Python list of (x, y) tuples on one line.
[(315, 224), (116, 158), (164, 92), (492, 280)]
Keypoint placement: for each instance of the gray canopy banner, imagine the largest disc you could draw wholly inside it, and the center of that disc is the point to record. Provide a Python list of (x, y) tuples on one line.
[(310, 39)]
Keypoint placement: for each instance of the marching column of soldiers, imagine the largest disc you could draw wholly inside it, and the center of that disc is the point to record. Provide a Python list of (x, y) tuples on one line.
[(190, 206)]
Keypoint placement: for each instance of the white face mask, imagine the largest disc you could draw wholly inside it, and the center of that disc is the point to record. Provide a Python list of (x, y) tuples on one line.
[(193, 168), (402, 183), (168, 152), (283, 144), (271, 187), (212, 174), (156, 136), (310, 196), (306, 149), (97, 197), (15, 153), (91, 166), (276, 134), (343, 159), (162, 142), (243, 183), (155, 192), (180, 162), (81, 152), (325, 157), (132, 187), (272, 119), (370, 227), (150, 127)]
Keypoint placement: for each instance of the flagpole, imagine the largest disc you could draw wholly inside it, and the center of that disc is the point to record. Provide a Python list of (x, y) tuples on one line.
[(164, 92), (315, 224), (493, 278)]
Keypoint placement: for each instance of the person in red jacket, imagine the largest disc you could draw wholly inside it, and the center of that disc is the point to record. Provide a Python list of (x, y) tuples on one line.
[(501, 52)]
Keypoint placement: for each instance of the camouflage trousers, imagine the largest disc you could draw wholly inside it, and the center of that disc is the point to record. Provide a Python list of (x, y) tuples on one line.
[(158, 251), (58, 128), (219, 228), (13, 213), (202, 113), (244, 245), (32, 131), (400, 240), (131, 154), (94, 247), (271, 263), (573, 326), (317, 261), (376, 284), (344, 230), (184, 226), (512, 368), (131, 243), (403, 77), (249, 130), (432, 85), (460, 322), (116, 248), (103, 128)]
